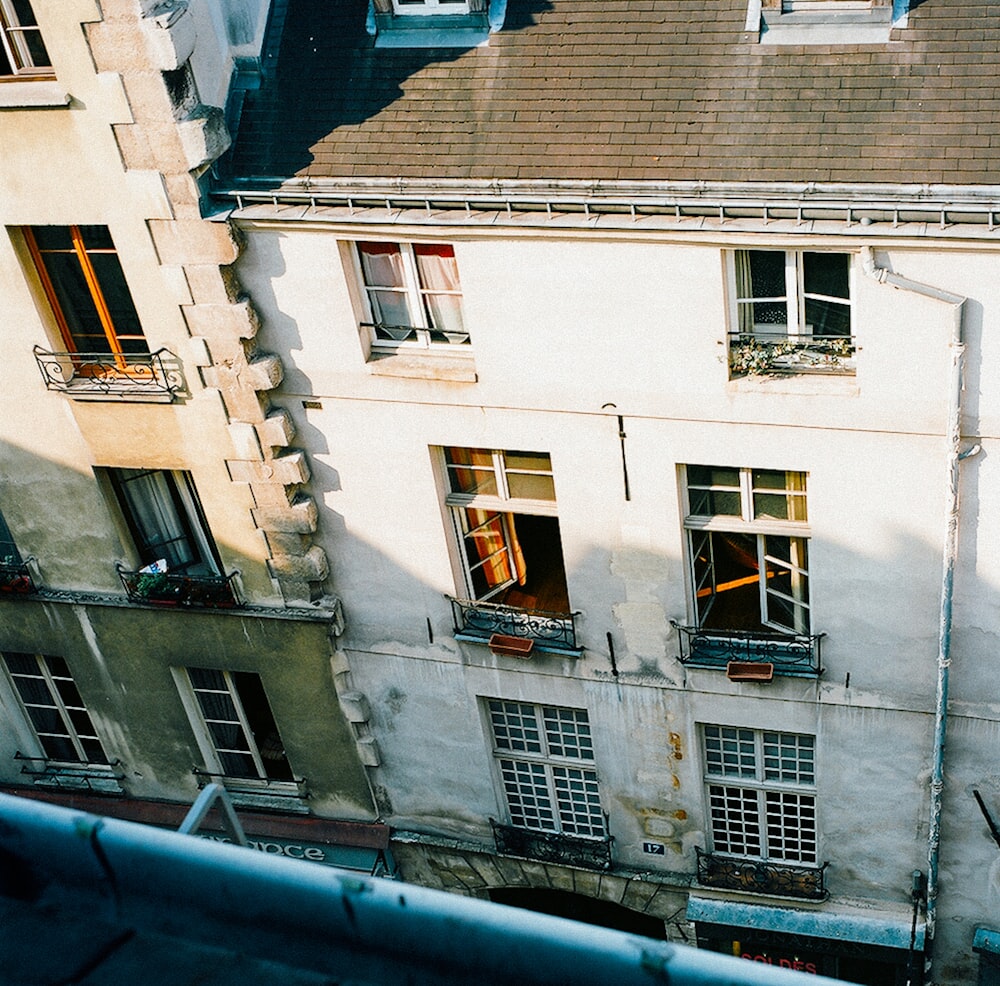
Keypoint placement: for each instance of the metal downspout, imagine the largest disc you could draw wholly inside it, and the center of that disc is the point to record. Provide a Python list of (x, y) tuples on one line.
[(950, 554)]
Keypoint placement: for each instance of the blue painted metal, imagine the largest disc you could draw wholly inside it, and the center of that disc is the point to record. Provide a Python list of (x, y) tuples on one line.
[(986, 940), (831, 925), (151, 882)]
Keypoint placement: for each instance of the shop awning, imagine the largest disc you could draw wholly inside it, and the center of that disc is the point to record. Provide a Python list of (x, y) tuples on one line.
[(843, 925)]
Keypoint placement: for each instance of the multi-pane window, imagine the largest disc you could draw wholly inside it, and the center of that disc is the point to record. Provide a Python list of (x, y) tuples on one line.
[(22, 50), (413, 294), (236, 719), (86, 288), (54, 708), (165, 518), (748, 545), (791, 293), (9, 555), (503, 505), (761, 793), (545, 757)]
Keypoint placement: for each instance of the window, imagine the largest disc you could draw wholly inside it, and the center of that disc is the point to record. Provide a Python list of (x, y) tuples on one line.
[(165, 519), (761, 793), (22, 50), (233, 721), (431, 6), (54, 708), (85, 286), (748, 547), (9, 555), (413, 295), (545, 757), (503, 507), (792, 307)]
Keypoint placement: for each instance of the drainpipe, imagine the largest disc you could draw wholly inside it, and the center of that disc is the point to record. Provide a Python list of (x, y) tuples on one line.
[(950, 553)]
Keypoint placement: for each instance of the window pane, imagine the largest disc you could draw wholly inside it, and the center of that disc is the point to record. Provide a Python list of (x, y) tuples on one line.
[(730, 752), (790, 504), (713, 491), (529, 475), (578, 800), (735, 820), (789, 757), (471, 470), (791, 827), (826, 274), (515, 726), (528, 798), (19, 663), (117, 297), (567, 732), (75, 302), (258, 713), (827, 318)]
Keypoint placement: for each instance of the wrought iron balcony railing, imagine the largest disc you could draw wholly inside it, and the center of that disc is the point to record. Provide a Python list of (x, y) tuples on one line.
[(169, 589), (15, 578), (106, 376), (483, 619), (552, 847), (261, 792), (761, 877), (73, 775), (790, 653), (758, 353)]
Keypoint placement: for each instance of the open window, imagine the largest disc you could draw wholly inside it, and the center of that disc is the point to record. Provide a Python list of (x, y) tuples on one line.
[(164, 516), (22, 50), (792, 312)]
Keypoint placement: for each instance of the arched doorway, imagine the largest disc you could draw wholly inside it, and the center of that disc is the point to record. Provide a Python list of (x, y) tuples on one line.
[(577, 907)]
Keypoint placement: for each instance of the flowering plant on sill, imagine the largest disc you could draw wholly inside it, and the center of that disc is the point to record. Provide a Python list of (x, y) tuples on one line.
[(751, 356)]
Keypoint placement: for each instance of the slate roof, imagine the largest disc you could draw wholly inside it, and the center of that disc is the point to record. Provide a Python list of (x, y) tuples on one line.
[(658, 90)]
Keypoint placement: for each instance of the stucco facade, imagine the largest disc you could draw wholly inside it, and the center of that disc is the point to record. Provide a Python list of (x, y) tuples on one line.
[(323, 454)]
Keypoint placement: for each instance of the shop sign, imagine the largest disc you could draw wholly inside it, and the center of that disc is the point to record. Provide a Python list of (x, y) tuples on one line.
[(786, 961)]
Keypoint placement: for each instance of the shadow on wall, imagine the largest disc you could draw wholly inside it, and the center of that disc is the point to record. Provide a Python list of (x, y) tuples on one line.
[(329, 76)]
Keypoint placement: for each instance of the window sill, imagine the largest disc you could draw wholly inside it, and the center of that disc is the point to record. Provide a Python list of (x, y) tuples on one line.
[(818, 384), (16, 95), (423, 366), (422, 31)]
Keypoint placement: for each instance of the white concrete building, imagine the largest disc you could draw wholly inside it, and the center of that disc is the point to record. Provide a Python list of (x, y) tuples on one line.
[(616, 379)]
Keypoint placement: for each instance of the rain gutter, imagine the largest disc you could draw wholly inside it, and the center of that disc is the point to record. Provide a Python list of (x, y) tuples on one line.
[(949, 557)]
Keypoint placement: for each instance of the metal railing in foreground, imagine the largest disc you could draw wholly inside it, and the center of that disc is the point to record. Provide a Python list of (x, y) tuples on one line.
[(142, 887)]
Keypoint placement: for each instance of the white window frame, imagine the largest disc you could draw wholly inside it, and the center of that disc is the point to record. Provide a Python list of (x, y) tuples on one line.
[(206, 744), (430, 7), (502, 503), (17, 52), (775, 800), (760, 529), (794, 298), (413, 292), (71, 731), (555, 778)]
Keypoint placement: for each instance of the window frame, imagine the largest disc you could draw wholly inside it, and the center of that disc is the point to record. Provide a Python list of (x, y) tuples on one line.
[(772, 831), (185, 503), (749, 523), (96, 293), (461, 505), (211, 754), (413, 293), (547, 764), (794, 298), (425, 8), (17, 53), (70, 715)]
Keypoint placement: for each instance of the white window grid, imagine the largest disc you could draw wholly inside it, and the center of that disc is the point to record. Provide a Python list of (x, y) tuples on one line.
[(771, 813), (54, 709), (543, 788), (21, 39), (502, 472), (412, 292), (793, 298), (772, 511)]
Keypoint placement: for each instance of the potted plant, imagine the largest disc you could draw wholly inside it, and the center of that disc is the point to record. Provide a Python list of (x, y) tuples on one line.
[(157, 587)]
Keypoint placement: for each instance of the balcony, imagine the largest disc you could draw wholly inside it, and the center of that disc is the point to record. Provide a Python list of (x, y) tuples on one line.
[(788, 653), (761, 354), (761, 877), (482, 620), (169, 589), (552, 847), (15, 579), (147, 377)]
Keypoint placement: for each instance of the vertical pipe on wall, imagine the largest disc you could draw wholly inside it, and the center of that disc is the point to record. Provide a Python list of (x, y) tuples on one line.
[(949, 556)]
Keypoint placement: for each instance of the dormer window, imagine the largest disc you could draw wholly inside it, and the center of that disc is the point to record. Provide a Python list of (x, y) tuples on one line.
[(825, 22), (434, 23)]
